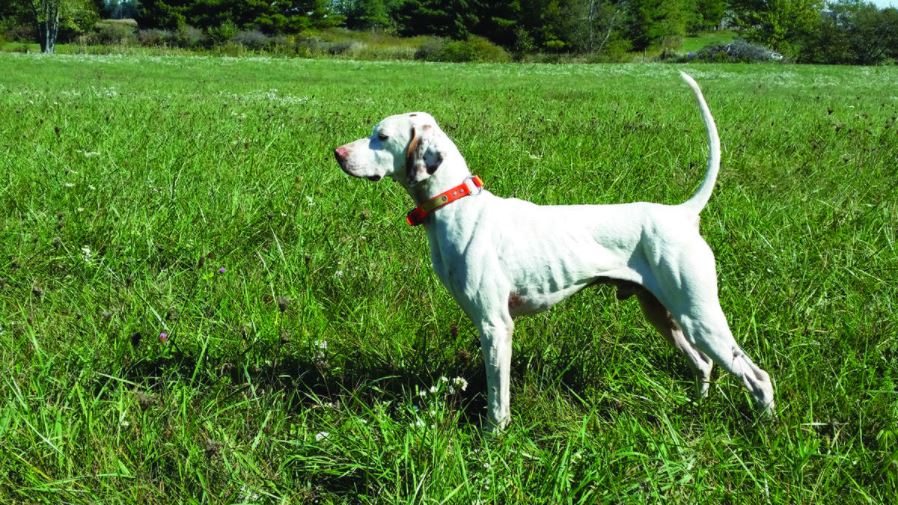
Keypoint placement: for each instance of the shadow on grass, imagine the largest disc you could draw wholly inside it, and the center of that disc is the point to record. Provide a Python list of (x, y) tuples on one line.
[(307, 382), (367, 378)]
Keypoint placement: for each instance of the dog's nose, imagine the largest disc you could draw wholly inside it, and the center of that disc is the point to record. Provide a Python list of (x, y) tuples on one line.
[(341, 154)]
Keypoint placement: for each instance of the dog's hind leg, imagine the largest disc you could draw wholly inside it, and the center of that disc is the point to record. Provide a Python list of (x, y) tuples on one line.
[(663, 321), (708, 330), (685, 282)]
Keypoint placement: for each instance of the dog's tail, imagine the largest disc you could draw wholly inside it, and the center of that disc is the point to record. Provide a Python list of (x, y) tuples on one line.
[(698, 201)]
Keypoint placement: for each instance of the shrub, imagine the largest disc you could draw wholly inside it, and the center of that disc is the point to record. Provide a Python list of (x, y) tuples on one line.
[(155, 37), (19, 32), (114, 32), (188, 36), (430, 49), (314, 45), (738, 51), (223, 33), (615, 51), (472, 49), (252, 39)]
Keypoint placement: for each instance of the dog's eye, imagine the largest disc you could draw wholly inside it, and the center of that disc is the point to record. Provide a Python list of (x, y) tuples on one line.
[(382, 136)]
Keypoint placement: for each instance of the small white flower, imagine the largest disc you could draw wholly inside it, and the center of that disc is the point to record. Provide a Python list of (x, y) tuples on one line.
[(433, 390), (422, 393), (88, 255), (322, 344), (338, 273), (443, 378), (419, 423), (310, 201), (321, 435), (460, 383)]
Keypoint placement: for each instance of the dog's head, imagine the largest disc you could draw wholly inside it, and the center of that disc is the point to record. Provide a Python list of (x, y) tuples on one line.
[(410, 148)]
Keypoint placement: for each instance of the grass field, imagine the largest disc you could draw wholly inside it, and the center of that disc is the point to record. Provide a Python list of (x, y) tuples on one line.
[(304, 329)]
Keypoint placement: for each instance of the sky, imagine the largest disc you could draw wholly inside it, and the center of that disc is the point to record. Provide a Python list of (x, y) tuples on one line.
[(885, 3)]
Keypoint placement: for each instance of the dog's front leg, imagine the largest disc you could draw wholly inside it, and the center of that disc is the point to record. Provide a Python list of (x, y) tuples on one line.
[(495, 343)]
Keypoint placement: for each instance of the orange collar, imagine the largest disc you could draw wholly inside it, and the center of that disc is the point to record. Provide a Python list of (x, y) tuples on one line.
[(417, 215)]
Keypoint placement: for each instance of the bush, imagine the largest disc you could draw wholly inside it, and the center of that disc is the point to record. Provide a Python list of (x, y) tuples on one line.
[(155, 37), (430, 49), (12, 31), (188, 36), (113, 32), (224, 32), (313, 45), (252, 39), (738, 51), (616, 51), (457, 51)]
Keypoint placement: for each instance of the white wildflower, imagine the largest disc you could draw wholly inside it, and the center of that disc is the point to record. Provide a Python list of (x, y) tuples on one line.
[(460, 383), (321, 353), (321, 435)]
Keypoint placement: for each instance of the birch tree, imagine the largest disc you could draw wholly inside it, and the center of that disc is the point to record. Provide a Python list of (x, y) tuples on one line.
[(48, 16)]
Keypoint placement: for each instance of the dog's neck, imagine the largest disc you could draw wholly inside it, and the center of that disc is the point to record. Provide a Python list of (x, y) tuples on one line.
[(452, 172)]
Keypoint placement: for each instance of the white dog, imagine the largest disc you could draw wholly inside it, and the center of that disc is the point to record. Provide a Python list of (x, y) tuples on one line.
[(501, 258)]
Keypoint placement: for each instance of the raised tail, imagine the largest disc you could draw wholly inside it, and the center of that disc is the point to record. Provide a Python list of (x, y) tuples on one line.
[(698, 200)]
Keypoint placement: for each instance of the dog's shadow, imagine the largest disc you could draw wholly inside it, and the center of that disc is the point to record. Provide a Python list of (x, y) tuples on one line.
[(308, 383), (364, 379)]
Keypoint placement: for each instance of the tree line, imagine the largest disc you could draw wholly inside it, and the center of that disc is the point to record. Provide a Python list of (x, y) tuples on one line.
[(846, 31)]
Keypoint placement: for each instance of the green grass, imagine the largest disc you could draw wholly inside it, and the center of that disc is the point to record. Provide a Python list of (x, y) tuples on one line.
[(126, 183)]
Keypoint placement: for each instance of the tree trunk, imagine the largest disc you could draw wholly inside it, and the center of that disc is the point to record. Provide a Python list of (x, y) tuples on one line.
[(47, 19)]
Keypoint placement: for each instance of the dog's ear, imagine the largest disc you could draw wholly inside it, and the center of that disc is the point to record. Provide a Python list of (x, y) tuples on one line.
[(423, 156)]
